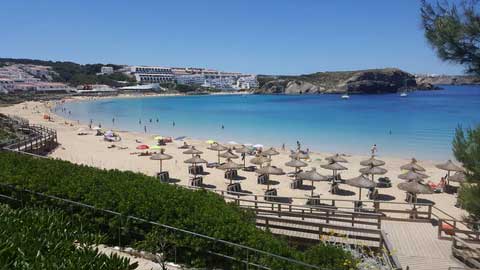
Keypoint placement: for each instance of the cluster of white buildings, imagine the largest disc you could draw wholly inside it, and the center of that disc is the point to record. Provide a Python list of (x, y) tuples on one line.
[(194, 76), (19, 77)]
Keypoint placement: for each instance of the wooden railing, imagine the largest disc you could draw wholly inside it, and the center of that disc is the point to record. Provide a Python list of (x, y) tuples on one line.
[(465, 252), (41, 140)]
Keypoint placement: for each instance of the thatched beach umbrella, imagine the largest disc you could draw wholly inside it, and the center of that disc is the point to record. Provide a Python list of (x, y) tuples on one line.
[(313, 176), (185, 145), (413, 176), (373, 170), (161, 156), (449, 166), (336, 158), (299, 155), (270, 152), (243, 151), (334, 167), (361, 182), (458, 177), (297, 164), (228, 154), (217, 147), (372, 162), (413, 166), (193, 151), (260, 160), (415, 188), (194, 161), (228, 166), (270, 170)]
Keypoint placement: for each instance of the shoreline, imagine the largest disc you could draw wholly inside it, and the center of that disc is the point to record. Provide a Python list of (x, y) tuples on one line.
[(94, 151)]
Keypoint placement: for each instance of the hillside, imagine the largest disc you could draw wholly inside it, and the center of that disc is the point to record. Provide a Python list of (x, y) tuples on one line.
[(75, 74), (373, 81)]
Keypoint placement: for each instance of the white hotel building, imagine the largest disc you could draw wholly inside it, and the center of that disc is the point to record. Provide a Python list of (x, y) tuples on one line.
[(145, 74)]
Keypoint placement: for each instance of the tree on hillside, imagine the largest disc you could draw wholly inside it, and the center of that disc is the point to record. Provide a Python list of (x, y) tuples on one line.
[(466, 148), (453, 30)]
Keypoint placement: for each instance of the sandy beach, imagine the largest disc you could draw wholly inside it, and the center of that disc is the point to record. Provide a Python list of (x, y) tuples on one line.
[(94, 151)]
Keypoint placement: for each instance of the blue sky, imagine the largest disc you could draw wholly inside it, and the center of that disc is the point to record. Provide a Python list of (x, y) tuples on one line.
[(266, 37)]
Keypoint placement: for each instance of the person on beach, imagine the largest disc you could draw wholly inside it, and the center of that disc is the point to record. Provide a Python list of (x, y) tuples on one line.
[(100, 125), (374, 149), (173, 123), (157, 120), (145, 129), (150, 120), (298, 146), (139, 121), (223, 127), (113, 120), (283, 147)]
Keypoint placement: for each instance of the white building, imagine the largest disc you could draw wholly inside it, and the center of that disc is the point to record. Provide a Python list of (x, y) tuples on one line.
[(106, 70), (191, 79), (51, 87), (246, 82), (145, 74), (6, 84)]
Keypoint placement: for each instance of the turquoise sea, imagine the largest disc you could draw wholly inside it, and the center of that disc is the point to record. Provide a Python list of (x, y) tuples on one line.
[(420, 125)]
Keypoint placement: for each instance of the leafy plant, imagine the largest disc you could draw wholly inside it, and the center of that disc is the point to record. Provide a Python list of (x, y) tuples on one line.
[(143, 196)]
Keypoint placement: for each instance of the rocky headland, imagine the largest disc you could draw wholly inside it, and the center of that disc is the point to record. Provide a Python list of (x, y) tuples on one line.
[(373, 81)]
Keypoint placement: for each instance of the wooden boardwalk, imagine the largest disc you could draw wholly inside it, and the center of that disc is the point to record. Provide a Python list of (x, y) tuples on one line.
[(418, 247)]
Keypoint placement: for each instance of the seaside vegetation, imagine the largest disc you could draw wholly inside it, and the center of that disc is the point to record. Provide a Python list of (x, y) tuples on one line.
[(143, 196), (452, 28), (76, 74), (36, 238), (466, 148)]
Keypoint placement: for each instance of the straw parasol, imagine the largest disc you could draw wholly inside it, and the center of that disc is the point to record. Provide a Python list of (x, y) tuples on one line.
[(458, 177), (228, 154), (373, 170), (361, 182), (372, 161), (297, 164), (243, 151), (217, 147), (336, 158), (449, 166), (270, 170), (299, 155), (193, 151), (415, 188), (313, 176), (184, 146), (161, 156), (412, 166), (270, 152), (228, 166), (334, 167), (413, 176), (194, 161), (260, 160)]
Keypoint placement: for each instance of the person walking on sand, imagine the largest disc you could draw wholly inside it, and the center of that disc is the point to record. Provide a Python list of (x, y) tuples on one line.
[(374, 150), (223, 127), (113, 120), (145, 129), (173, 123), (298, 146), (283, 147)]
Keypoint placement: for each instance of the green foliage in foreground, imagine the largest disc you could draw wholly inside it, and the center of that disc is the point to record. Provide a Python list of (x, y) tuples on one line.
[(466, 148), (453, 30), (143, 196), (44, 239)]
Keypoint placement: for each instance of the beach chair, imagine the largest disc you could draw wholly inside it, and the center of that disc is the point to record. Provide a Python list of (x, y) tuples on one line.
[(437, 188), (384, 182), (296, 183), (270, 194), (313, 200), (196, 182), (250, 168), (212, 165), (163, 177), (231, 174), (262, 179), (357, 206), (234, 188), (334, 188)]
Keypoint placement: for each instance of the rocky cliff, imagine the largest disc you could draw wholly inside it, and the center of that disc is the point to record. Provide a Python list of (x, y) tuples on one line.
[(449, 79), (374, 81)]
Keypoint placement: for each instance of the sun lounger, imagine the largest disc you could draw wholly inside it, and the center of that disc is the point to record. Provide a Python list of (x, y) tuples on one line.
[(231, 174), (195, 169), (235, 187), (82, 133), (437, 188), (163, 176), (296, 183), (262, 179), (270, 194), (212, 165), (334, 188), (313, 200), (384, 182), (196, 182), (250, 168)]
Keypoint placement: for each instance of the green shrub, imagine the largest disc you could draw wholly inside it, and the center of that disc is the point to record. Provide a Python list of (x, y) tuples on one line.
[(143, 196), (44, 239)]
